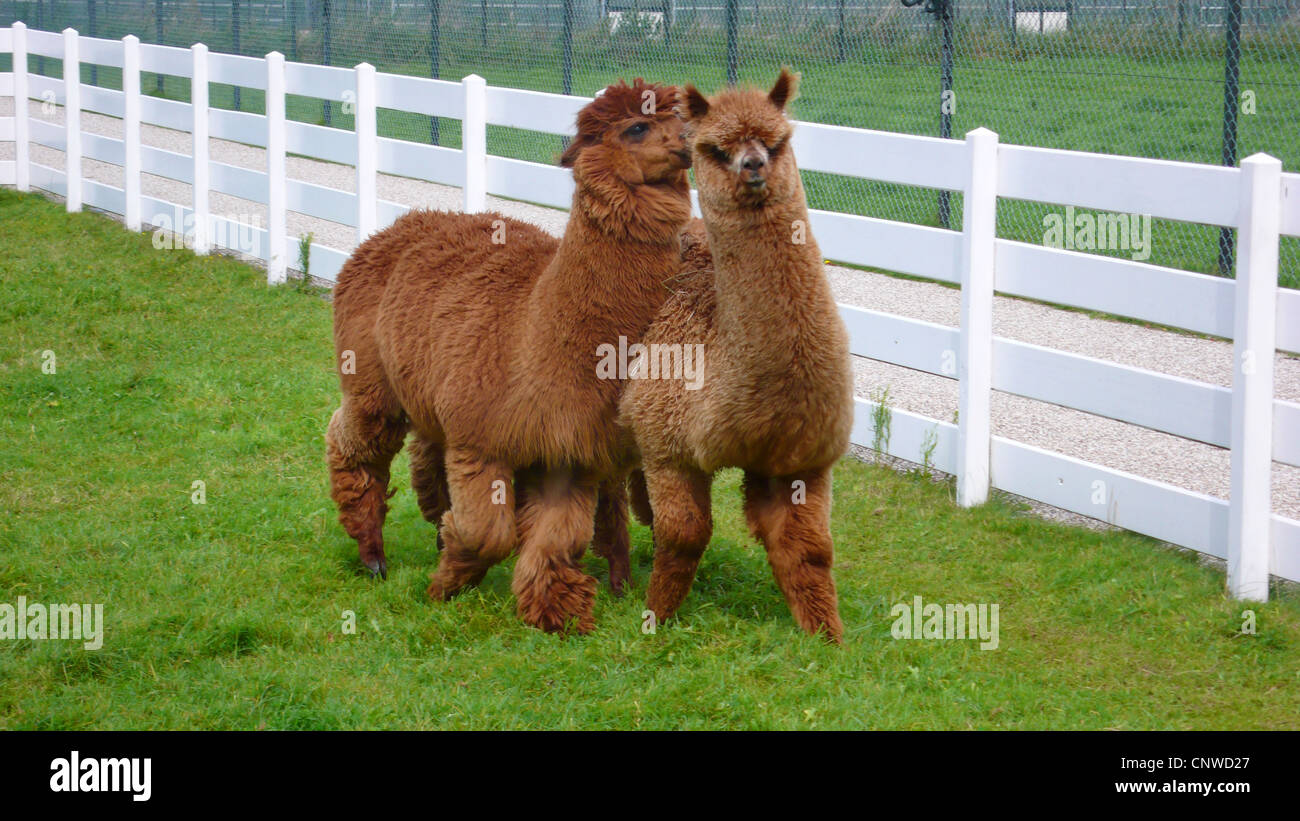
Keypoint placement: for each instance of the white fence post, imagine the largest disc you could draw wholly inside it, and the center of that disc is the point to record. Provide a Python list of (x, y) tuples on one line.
[(131, 129), (276, 186), (367, 152), (473, 142), (199, 130), (1253, 344), (975, 357), (72, 116), (22, 131)]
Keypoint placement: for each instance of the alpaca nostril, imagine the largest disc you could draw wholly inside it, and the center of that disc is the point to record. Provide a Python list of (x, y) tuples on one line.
[(753, 163)]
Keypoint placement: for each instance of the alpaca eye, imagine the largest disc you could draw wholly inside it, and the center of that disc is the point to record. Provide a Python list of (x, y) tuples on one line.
[(778, 147), (637, 130), (719, 155)]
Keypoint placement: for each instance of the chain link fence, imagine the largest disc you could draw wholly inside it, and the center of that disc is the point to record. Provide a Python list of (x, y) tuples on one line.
[(1200, 80)]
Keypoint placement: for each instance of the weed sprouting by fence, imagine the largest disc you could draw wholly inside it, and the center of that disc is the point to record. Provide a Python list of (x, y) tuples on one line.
[(304, 257), (1195, 80)]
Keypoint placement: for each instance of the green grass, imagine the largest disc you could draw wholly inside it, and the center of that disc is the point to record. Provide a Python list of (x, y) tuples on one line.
[(173, 368)]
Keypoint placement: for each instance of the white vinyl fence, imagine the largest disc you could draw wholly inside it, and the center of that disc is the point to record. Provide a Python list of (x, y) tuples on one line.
[(1257, 199)]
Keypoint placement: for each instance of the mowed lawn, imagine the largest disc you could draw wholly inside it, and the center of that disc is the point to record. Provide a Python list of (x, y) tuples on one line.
[(229, 614)]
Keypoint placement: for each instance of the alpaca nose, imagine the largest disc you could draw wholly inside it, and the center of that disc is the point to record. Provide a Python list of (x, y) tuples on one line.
[(753, 167)]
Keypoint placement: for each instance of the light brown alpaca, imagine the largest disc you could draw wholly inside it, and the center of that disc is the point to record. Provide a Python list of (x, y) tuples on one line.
[(479, 333), (776, 398)]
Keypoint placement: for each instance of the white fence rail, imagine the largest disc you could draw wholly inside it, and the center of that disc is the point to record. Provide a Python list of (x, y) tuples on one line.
[(1257, 199)]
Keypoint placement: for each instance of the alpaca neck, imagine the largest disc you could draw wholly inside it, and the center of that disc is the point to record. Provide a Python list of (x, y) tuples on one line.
[(606, 279), (773, 298)]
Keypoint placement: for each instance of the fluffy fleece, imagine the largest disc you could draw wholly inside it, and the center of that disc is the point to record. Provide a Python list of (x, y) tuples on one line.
[(478, 333), (777, 393)]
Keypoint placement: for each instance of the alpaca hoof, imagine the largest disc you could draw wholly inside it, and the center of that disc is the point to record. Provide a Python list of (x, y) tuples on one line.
[(378, 568), (832, 637), (618, 582), (835, 632), (661, 606), (438, 591), (452, 577), (819, 616), (564, 605), (830, 630)]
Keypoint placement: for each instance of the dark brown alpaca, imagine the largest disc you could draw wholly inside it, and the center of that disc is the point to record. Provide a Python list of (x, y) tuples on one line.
[(776, 398), (478, 333)]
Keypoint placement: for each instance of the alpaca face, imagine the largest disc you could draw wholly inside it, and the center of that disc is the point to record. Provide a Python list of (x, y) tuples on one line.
[(741, 145), (649, 149), (633, 133)]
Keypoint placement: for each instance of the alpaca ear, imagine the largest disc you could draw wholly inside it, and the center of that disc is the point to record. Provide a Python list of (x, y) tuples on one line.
[(785, 90), (696, 105), (570, 155)]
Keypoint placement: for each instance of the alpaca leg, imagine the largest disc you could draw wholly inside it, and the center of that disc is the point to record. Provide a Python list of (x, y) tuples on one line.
[(640, 498), (360, 450), (683, 525), (479, 529), (429, 480), (793, 522), (555, 525), (611, 539)]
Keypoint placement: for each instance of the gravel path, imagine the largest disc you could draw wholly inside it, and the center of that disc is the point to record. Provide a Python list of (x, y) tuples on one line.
[(1106, 442)]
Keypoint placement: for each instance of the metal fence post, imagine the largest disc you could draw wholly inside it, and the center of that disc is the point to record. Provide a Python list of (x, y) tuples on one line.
[(1231, 95), (435, 57), (733, 45), (292, 13), (158, 26), (567, 69), (234, 37), (40, 25), (92, 30), (327, 34), (945, 99), (840, 44)]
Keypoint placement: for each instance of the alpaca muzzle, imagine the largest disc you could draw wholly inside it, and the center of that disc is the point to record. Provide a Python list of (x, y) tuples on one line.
[(752, 169)]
